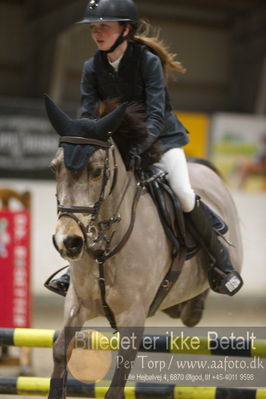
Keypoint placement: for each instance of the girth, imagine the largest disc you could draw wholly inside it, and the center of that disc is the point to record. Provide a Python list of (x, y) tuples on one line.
[(171, 217)]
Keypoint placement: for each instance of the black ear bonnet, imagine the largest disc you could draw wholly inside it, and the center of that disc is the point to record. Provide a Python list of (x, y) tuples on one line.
[(76, 155)]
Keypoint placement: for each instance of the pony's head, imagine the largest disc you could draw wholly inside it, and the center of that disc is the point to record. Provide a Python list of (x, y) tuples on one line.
[(85, 171), (83, 174)]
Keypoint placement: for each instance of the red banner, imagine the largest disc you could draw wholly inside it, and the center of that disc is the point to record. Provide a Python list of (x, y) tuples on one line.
[(15, 298)]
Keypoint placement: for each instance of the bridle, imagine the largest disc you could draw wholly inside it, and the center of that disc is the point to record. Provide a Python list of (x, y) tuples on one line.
[(93, 210), (70, 211)]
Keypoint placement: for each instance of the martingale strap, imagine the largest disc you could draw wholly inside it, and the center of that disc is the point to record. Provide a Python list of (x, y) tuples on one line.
[(107, 310)]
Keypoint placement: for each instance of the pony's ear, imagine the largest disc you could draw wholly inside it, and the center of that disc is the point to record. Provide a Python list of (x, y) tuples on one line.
[(110, 122), (59, 120)]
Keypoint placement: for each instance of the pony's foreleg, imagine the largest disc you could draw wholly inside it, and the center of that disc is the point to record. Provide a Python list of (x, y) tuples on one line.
[(59, 375), (134, 321), (74, 317)]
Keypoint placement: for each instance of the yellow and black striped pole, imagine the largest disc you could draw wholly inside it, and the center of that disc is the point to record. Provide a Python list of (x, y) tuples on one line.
[(33, 337), (163, 343), (234, 347), (40, 387)]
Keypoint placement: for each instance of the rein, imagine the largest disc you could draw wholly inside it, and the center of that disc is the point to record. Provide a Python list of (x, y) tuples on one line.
[(102, 255)]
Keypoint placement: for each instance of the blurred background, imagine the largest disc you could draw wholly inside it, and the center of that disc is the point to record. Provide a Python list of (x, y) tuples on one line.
[(221, 99)]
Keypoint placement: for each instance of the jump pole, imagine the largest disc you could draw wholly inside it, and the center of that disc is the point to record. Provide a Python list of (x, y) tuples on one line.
[(44, 338), (32, 337), (40, 386)]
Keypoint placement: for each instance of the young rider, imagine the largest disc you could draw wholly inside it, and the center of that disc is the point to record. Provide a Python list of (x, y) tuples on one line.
[(133, 68)]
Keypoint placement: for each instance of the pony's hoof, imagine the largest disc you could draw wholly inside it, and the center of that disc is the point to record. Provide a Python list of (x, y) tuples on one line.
[(192, 310), (115, 393), (173, 311)]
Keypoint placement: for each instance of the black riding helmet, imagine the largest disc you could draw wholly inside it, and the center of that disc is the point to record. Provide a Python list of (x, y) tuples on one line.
[(111, 10), (124, 11)]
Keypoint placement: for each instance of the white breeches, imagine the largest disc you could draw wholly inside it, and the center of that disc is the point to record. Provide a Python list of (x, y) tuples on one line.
[(175, 164)]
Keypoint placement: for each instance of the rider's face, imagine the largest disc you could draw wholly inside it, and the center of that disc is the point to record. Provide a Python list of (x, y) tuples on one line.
[(105, 33)]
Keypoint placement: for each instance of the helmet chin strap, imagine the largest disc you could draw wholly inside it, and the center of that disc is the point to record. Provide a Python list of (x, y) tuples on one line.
[(121, 38)]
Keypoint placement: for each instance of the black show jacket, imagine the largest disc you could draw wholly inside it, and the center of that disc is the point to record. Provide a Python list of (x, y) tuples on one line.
[(139, 78)]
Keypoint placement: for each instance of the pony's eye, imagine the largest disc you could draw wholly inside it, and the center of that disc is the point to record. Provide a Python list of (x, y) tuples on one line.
[(97, 172)]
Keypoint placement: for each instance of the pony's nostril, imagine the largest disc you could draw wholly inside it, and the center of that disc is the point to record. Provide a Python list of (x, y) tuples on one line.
[(73, 244)]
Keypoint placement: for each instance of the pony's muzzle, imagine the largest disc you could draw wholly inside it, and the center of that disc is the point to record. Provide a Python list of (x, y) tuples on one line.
[(73, 245), (69, 246)]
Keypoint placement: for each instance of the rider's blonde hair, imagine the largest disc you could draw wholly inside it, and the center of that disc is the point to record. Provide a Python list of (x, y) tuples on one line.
[(150, 37)]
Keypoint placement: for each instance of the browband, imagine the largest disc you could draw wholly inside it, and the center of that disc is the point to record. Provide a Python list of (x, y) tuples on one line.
[(84, 141)]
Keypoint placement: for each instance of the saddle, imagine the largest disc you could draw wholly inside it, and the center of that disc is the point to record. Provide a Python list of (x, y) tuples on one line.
[(174, 221), (177, 229)]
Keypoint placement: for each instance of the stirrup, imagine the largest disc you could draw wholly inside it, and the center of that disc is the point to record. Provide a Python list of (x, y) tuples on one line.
[(48, 285), (228, 283)]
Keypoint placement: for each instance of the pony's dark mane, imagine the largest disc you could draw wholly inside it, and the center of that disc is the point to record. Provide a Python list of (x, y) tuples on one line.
[(133, 132)]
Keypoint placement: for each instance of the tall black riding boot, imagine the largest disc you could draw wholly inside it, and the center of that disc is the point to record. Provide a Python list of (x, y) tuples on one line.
[(59, 285), (223, 278)]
